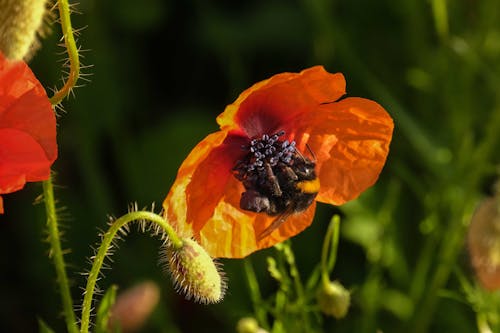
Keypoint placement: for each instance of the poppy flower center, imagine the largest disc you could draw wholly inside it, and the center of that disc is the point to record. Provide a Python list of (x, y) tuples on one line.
[(277, 177)]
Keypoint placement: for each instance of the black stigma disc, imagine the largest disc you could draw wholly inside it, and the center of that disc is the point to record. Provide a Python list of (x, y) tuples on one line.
[(271, 171)]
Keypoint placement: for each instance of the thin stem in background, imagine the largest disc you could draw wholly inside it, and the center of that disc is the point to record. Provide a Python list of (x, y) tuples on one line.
[(255, 295), (299, 287), (482, 324), (56, 254), (440, 13), (329, 249)]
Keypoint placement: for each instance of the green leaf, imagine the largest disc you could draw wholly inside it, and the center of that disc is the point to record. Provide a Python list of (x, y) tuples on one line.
[(43, 327), (103, 312)]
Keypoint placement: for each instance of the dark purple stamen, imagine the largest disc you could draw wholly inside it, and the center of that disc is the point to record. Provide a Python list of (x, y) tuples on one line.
[(267, 149)]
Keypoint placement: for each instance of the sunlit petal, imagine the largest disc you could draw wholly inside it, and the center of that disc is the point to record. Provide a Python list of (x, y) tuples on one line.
[(269, 104), (350, 141)]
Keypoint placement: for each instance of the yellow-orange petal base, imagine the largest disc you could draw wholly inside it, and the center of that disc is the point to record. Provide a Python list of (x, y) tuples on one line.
[(349, 138)]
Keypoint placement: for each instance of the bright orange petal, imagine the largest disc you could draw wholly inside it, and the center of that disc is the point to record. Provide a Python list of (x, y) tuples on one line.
[(350, 140), (264, 107), (232, 232), (1, 205), (176, 203), (209, 181)]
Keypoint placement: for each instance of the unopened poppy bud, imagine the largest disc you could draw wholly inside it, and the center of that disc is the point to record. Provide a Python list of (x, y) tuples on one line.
[(484, 243), (133, 306), (194, 272), (19, 22), (334, 299)]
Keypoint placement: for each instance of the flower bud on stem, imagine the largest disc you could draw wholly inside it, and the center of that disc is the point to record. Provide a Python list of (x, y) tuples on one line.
[(194, 272), (333, 298), (107, 239)]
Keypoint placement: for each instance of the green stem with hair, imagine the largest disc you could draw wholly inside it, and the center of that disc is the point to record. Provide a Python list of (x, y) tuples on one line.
[(74, 59), (107, 239), (56, 254)]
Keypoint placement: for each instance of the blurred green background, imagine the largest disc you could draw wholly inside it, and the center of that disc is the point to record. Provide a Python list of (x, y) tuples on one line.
[(161, 71)]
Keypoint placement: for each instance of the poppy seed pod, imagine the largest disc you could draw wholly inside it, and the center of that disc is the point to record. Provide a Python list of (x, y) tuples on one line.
[(484, 243), (194, 272), (334, 299), (19, 22)]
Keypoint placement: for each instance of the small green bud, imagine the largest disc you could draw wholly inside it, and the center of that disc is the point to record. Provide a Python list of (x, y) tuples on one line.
[(247, 325), (334, 299), (194, 272)]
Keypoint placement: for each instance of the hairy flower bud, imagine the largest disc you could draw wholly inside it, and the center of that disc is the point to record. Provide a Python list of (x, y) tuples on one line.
[(19, 22), (194, 272), (334, 299), (484, 243)]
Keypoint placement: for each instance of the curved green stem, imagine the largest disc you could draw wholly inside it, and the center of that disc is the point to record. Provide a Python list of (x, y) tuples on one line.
[(56, 254), (74, 60), (329, 249), (103, 250)]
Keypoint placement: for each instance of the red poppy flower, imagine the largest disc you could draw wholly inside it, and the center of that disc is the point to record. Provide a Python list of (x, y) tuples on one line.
[(285, 143), (27, 128)]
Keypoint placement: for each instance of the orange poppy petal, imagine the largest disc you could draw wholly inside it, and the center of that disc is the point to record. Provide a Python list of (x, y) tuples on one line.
[(350, 140), (1, 205), (175, 204), (264, 107), (232, 232), (209, 181)]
